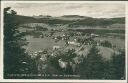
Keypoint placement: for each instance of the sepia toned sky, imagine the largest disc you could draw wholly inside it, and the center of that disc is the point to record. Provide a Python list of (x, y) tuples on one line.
[(97, 10)]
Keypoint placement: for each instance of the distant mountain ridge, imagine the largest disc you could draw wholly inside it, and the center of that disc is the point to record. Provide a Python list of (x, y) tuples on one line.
[(72, 20), (70, 16)]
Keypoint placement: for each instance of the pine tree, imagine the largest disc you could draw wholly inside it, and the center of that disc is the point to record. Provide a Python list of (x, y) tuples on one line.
[(92, 66), (116, 66), (16, 61)]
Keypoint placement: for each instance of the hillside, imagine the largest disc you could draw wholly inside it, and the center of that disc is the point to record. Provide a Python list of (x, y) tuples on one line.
[(99, 21), (25, 19), (72, 20)]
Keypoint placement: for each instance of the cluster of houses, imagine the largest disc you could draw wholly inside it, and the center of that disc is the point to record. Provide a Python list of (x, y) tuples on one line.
[(71, 40)]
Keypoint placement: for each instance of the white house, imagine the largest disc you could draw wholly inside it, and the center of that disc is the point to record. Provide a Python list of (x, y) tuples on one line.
[(73, 43), (56, 47), (94, 35)]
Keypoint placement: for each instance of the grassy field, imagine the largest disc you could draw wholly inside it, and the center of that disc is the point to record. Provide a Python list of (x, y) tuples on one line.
[(36, 44), (120, 43)]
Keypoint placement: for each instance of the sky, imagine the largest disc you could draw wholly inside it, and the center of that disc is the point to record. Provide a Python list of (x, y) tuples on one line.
[(97, 10)]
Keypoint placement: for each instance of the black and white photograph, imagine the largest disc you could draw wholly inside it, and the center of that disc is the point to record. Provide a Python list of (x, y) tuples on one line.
[(64, 40)]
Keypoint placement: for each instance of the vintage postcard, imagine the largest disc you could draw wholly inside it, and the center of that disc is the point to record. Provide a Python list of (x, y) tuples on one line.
[(63, 41)]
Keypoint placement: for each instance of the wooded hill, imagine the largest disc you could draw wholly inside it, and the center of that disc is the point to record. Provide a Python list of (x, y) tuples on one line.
[(72, 20)]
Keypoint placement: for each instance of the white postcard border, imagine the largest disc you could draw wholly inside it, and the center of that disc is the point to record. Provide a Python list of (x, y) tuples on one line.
[(61, 80)]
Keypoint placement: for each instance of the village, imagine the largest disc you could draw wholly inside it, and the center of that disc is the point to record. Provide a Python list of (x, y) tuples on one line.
[(46, 42)]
